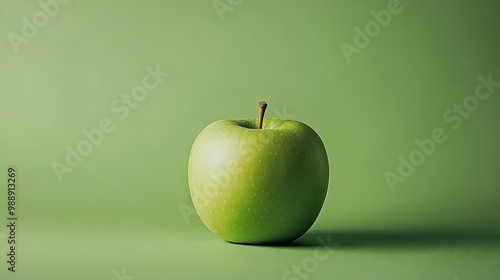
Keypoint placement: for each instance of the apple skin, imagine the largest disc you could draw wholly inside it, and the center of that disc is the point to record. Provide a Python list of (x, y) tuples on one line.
[(256, 186)]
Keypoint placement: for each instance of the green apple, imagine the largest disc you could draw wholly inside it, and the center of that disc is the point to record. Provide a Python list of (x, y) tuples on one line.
[(258, 180)]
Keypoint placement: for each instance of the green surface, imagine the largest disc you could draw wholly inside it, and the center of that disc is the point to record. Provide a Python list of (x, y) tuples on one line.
[(127, 205)]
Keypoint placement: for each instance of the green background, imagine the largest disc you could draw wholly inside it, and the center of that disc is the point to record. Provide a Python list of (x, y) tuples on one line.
[(127, 204)]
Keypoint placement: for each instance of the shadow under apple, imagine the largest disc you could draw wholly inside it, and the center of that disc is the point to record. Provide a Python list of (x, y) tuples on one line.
[(387, 239), (391, 238)]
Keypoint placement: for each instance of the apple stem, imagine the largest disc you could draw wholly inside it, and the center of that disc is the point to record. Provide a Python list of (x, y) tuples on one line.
[(262, 110)]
